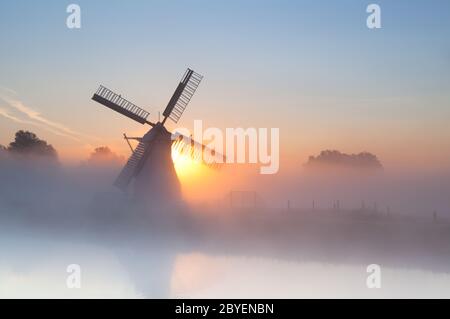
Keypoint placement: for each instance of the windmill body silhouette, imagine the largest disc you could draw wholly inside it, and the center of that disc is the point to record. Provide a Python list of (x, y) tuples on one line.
[(150, 167)]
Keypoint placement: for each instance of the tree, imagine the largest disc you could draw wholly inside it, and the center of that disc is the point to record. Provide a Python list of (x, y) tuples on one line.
[(103, 154), (27, 143), (333, 158)]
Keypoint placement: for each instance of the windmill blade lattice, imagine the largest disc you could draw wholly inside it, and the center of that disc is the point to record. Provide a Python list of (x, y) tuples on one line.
[(198, 152), (117, 103), (182, 95), (132, 167)]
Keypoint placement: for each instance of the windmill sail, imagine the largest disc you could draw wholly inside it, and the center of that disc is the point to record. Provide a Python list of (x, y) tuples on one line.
[(117, 103), (150, 165), (186, 146), (132, 167), (182, 95)]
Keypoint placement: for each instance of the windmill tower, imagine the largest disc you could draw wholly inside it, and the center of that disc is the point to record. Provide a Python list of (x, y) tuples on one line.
[(150, 167)]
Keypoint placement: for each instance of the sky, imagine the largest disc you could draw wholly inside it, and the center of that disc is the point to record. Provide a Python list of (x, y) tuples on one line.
[(311, 68)]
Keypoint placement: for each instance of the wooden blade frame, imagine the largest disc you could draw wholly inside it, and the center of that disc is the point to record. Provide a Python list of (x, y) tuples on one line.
[(117, 103), (182, 95)]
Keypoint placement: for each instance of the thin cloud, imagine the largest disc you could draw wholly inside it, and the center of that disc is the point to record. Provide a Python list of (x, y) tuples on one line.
[(5, 114), (13, 118), (36, 118)]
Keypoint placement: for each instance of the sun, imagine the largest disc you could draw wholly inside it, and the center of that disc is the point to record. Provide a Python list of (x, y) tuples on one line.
[(198, 181), (185, 166)]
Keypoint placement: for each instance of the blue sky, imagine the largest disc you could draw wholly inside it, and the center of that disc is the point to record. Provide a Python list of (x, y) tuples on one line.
[(312, 68)]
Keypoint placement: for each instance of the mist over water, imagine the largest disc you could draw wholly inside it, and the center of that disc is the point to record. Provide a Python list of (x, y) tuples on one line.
[(52, 216)]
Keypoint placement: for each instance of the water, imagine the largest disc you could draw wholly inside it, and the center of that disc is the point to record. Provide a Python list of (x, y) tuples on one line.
[(34, 264)]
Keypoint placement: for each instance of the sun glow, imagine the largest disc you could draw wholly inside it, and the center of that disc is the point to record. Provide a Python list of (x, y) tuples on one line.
[(196, 179), (186, 167)]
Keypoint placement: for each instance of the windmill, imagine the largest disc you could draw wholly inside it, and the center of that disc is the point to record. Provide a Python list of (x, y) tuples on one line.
[(150, 166)]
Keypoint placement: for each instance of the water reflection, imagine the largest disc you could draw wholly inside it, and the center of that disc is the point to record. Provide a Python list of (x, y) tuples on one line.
[(34, 266), (201, 276)]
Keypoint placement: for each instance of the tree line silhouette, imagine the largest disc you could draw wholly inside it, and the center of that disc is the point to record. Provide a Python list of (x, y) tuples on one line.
[(27, 143)]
